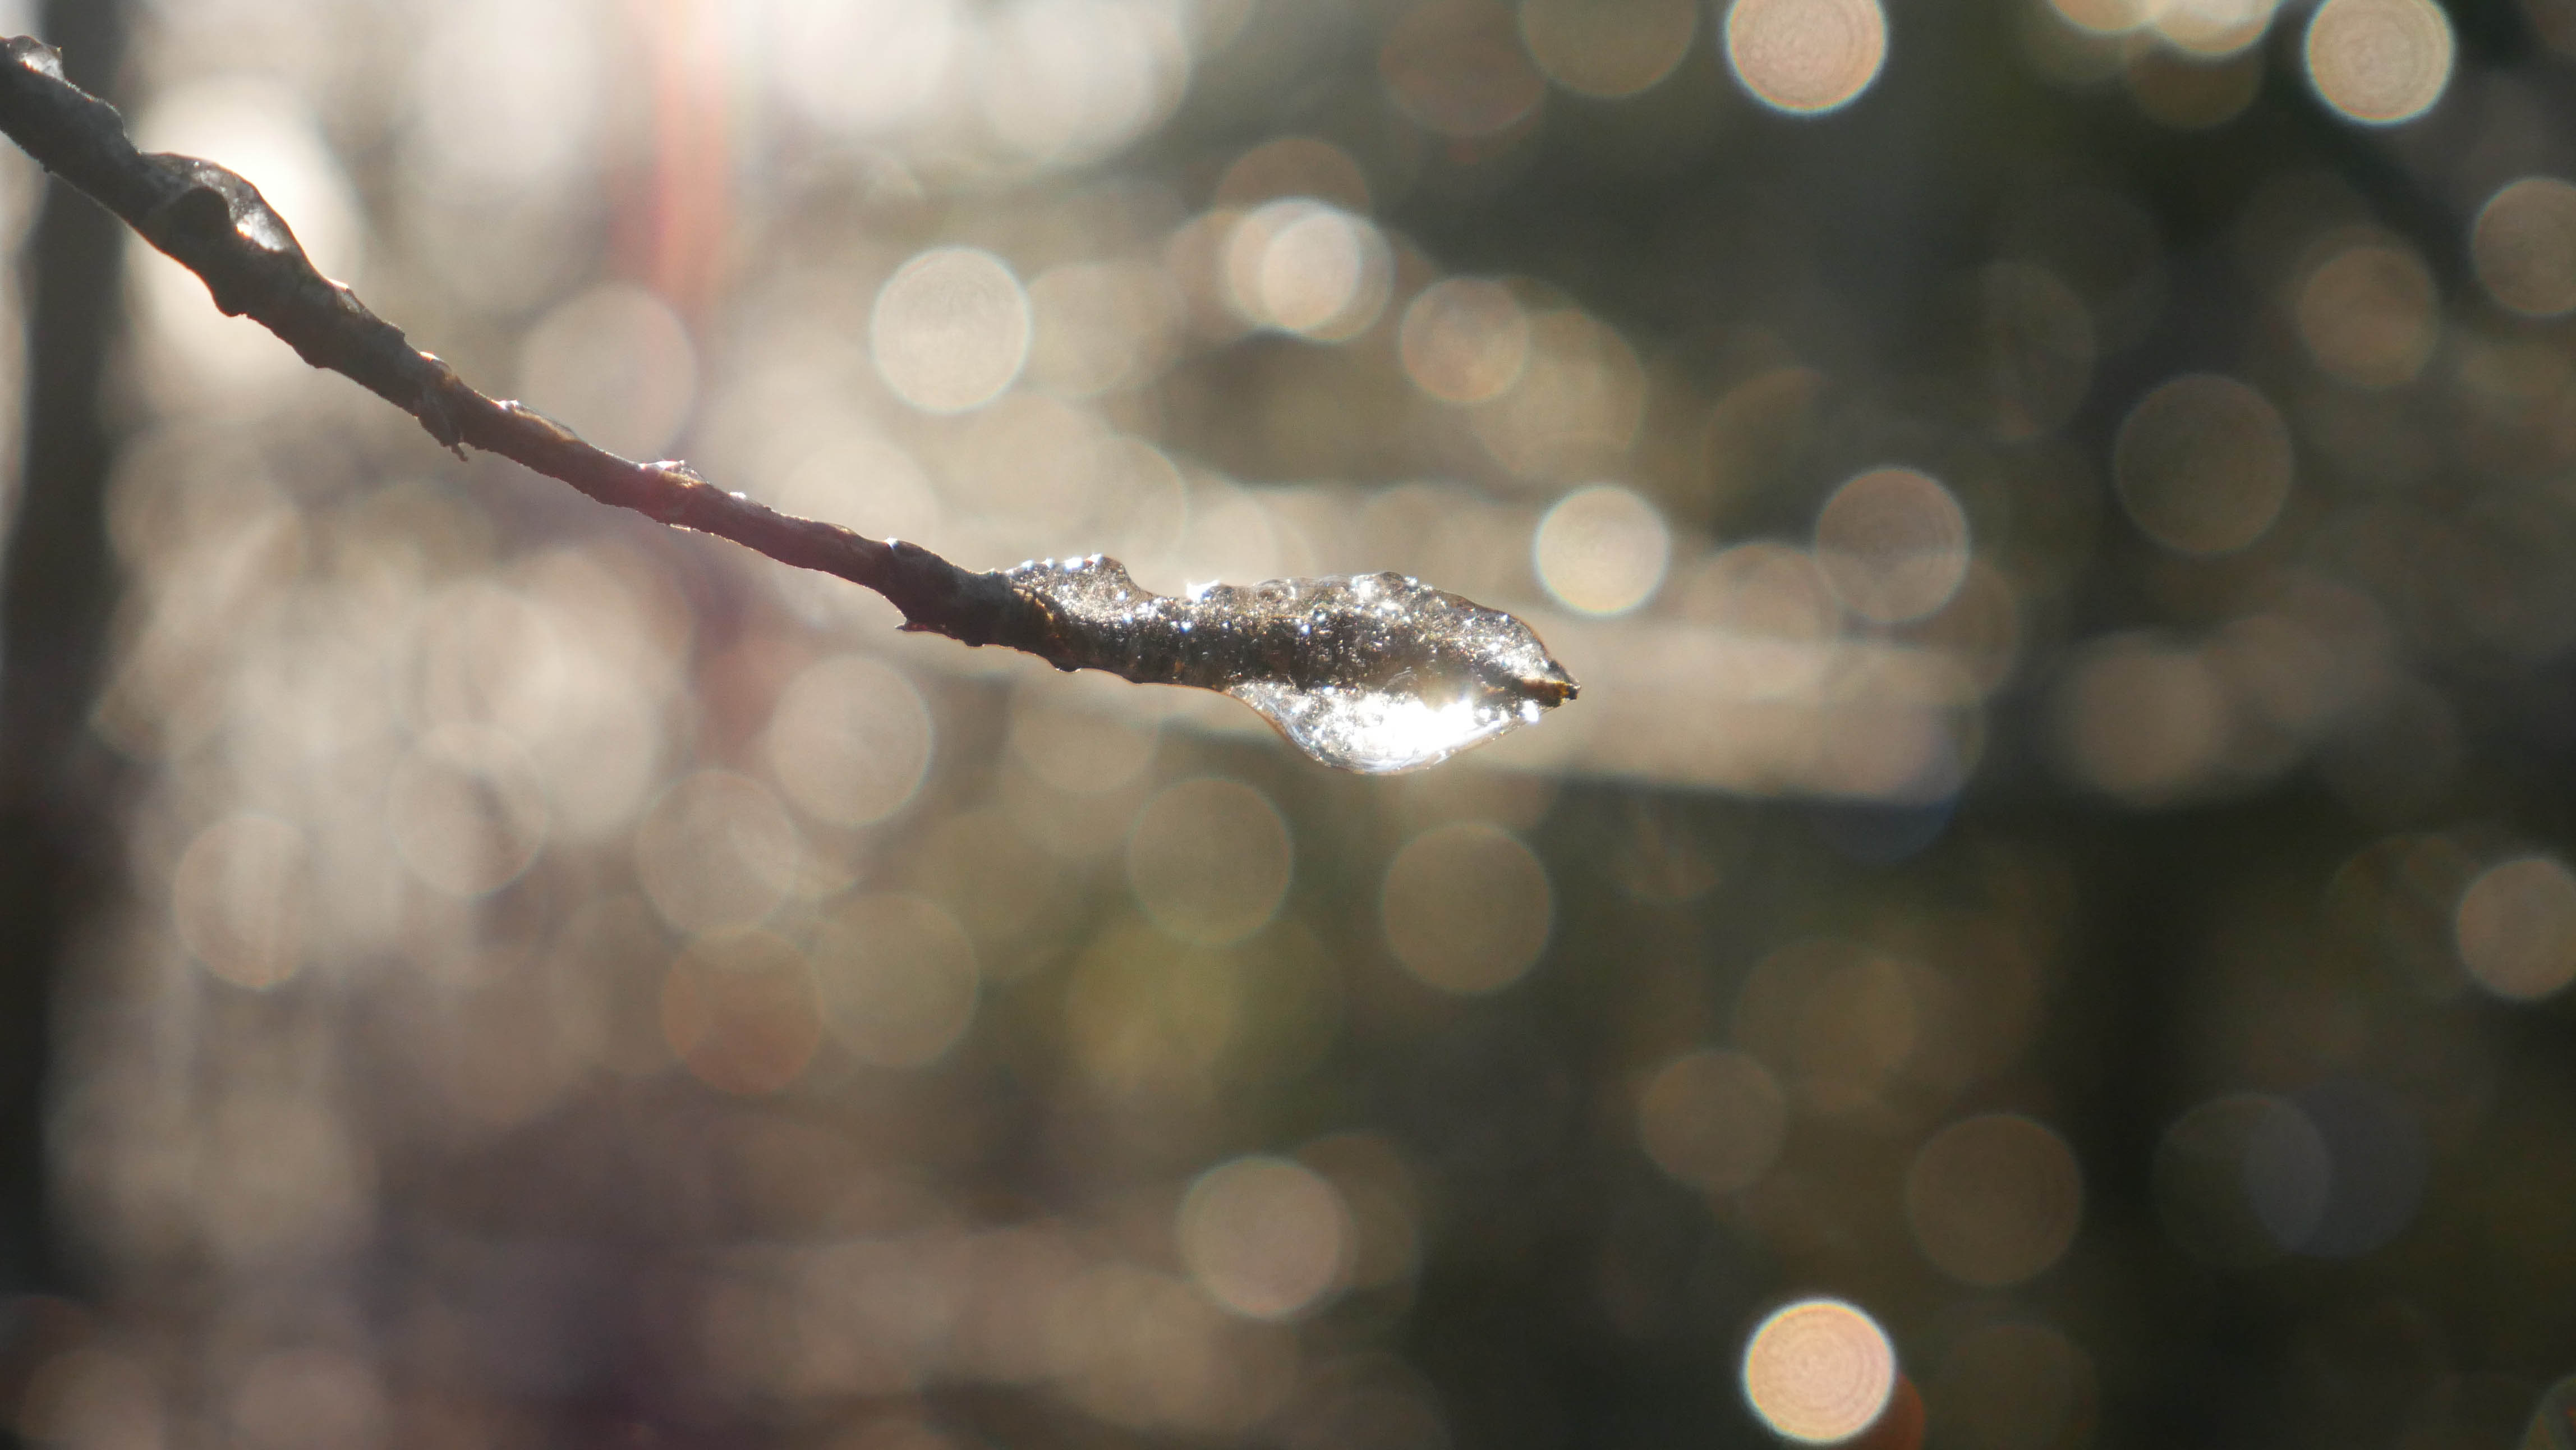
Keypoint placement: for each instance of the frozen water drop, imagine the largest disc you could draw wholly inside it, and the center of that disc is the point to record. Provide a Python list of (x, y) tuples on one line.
[(1377, 732), (1374, 673)]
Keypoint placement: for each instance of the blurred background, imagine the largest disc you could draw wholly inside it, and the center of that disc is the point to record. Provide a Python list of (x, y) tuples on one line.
[(2046, 928)]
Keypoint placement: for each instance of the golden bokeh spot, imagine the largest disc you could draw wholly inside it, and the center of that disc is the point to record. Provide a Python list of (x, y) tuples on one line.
[(1819, 1371), (1601, 550), (739, 1012), (467, 810), (238, 899), (1209, 861), (1861, 1019), (1266, 1238), (1758, 431), (717, 853), (955, 861), (950, 330), (1306, 267), (1464, 340), (2524, 247), (2142, 720), (1095, 327), (2106, 17), (1979, 629), (1457, 68), (2379, 61), (1467, 907), (1608, 48), (1575, 408), (2213, 28), (1994, 1200), (1713, 1119), (615, 365), (2368, 314), (1085, 752), (1806, 56), (2516, 928), (1147, 1016), (897, 978), (1292, 166), (850, 740), (2203, 464), (1893, 543)]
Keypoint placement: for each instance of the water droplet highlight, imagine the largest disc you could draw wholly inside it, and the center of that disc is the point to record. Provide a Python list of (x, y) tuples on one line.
[(1375, 673)]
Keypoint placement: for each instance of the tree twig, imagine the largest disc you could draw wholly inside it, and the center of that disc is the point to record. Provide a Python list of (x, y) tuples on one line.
[(216, 224)]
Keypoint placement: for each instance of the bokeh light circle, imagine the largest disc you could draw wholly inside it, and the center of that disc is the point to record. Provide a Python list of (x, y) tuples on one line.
[(2369, 314), (1464, 340), (2213, 29), (1994, 1200), (738, 1010), (1266, 1238), (1893, 543), (1819, 1371), (1080, 751), (1602, 549), (1806, 57), (2106, 17), (2141, 718), (1713, 1119), (2524, 247), (717, 853), (1457, 68), (1306, 267), (950, 330), (467, 810), (897, 977), (238, 899), (2379, 61), (2203, 464), (1608, 48), (850, 740), (2516, 927), (616, 366), (1209, 860), (1291, 166), (1467, 907)]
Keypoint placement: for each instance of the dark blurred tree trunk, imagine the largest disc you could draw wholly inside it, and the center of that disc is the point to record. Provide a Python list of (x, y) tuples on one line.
[(57, 844)]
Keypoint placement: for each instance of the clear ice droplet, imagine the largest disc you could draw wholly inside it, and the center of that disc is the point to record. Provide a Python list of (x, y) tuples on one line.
[(1379, 732), (1374, 673)]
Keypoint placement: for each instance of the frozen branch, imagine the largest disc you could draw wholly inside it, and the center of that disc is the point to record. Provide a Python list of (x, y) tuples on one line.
[(1372, 673)]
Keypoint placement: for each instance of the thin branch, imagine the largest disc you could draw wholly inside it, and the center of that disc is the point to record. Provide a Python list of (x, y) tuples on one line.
[(1082, 614)]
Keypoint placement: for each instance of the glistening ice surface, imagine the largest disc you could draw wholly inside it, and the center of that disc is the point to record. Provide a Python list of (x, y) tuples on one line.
[(1369, 672)]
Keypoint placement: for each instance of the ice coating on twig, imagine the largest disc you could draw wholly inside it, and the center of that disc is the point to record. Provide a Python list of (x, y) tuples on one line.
[(1369, 672)]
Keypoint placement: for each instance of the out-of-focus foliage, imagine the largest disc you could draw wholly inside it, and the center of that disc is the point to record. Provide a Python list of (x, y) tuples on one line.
[(2050, 916)]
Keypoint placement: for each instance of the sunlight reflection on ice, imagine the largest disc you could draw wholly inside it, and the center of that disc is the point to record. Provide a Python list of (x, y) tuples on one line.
[(1380, 732)]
